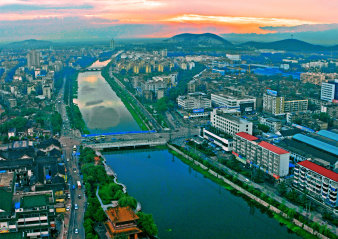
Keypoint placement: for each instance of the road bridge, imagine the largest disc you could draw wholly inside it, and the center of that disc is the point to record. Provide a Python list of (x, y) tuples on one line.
[(135, 139)]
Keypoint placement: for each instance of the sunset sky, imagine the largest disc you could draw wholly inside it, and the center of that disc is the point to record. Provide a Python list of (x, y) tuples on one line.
[(160, 18)]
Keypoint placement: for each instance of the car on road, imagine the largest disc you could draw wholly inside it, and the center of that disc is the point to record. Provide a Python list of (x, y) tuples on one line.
[(76, 231), (73, 187), (79, 196), (68, 195), (67, 159), (247, 180), (74, 169), (76, 206), (68, 208)]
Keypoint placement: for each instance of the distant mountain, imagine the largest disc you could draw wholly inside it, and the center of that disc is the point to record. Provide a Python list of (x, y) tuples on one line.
[(31, 43), (208, 39), (287, 45)]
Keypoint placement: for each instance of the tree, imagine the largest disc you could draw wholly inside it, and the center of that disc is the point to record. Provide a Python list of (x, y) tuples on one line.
[(264, 128), (127, 201), (147, 224), (282, 189)]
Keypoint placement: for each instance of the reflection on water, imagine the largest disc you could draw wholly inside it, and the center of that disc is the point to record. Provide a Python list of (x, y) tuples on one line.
[(101, 109), (187, 205), (99, 64)]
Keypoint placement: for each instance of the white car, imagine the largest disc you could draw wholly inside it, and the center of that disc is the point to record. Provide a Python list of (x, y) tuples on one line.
[(76, 231), (76, 207), (68, 208)]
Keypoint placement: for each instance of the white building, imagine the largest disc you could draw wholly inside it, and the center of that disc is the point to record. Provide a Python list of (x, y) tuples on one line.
[(229, 124), (233, 57), (197, 100), (329, 91), (244, 103), (318, 181), (220, 140)]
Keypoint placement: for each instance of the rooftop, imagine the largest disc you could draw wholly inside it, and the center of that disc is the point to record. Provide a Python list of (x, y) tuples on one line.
[(6, 200), (34, 201), (317, 143), (319, 169), (6, 179), (328, 134), (272, 148), (247, 136), (306, 150), (121, 214)]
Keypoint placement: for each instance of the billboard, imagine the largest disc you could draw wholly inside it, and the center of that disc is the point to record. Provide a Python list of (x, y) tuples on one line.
[(271, 92), (198, 110)]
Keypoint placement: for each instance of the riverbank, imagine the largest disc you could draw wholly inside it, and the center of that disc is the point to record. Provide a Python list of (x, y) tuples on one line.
[(127, 100), (73, 111), (284, 215), (102, 188)]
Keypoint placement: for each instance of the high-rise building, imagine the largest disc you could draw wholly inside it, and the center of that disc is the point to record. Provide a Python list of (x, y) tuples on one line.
[(277, 105), (112, 44), (273, 104), (33, 59), (329, 91)]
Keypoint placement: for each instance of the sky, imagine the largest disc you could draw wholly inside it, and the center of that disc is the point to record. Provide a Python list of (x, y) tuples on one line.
[(99, 19)]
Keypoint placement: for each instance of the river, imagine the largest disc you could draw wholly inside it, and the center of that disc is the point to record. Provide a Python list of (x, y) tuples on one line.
[(184, 203), (100, 107)]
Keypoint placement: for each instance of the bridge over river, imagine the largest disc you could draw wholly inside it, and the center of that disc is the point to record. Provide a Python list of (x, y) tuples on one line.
[(122, 140)]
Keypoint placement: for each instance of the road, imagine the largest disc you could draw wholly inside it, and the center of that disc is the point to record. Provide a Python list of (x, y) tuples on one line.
[(67, 140)]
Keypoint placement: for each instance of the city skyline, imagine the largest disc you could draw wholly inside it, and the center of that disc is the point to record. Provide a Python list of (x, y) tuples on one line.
[(91, 19)]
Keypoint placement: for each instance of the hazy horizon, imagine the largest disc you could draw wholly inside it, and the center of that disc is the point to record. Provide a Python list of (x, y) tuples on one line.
[(63, 20)]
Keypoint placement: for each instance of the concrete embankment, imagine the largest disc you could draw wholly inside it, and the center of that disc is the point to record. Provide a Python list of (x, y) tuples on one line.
[(268, 206)]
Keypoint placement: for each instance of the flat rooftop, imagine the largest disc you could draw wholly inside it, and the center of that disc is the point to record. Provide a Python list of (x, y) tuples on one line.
[(306, 150), (6, 179), (233, 97), (319, 142)]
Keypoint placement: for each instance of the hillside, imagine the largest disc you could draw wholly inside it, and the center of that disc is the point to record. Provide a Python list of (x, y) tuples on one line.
[(287, 45), (31, 43), (207, 39)]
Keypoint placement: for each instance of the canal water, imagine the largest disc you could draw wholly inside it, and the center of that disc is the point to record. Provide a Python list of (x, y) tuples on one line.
[(185, 204), (100, 107)]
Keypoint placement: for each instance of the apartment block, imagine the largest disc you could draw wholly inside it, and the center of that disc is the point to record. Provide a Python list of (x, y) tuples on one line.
[(319, 182), (263, 155)]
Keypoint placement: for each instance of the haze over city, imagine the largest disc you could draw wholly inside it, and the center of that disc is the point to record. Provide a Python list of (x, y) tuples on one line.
[(90, 19)]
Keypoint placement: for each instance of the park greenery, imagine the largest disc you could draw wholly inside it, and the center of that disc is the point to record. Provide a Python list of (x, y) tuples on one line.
[(291, 213), (95, 176)]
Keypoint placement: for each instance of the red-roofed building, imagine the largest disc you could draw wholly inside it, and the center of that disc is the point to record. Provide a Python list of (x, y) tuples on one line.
[(247, 136), (269, 158), (319, 182), (272, 148)]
